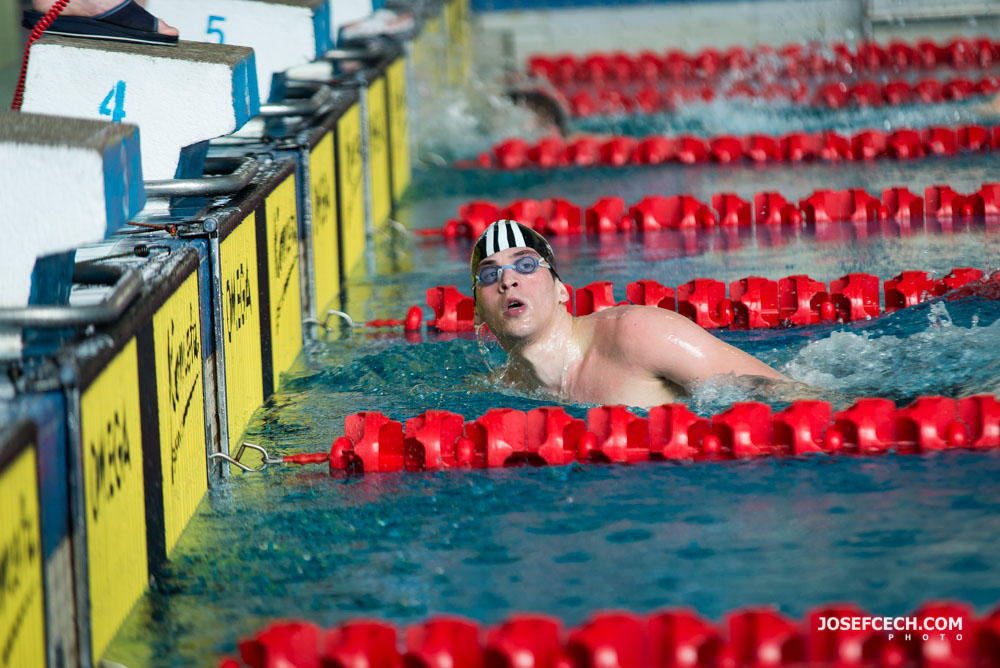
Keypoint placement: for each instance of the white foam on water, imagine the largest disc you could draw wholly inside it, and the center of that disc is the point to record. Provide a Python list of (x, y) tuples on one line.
[(943, 359), (460, 122)]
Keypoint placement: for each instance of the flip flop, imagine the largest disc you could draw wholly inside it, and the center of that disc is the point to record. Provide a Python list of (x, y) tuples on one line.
[(128, 22)]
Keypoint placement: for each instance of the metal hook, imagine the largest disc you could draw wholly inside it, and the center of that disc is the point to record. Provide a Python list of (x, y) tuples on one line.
[(390, 227), (235, 461), (398, 226), (325, 324)]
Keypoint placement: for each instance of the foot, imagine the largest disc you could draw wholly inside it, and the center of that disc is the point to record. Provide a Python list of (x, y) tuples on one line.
[(89, 8)]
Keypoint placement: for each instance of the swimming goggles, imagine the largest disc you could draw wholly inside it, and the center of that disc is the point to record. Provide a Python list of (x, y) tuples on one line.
[(526, 264)]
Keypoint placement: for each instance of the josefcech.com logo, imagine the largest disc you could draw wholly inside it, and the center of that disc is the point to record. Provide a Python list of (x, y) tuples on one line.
[(901, 628)]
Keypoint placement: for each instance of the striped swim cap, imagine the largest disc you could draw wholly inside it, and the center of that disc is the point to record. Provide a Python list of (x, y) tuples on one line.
[(504, 234)]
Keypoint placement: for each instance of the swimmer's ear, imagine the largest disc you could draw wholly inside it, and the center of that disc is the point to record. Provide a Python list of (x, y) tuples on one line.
[(562, 292)]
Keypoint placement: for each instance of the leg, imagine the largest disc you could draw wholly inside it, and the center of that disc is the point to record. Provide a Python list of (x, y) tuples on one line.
[(92, 8)]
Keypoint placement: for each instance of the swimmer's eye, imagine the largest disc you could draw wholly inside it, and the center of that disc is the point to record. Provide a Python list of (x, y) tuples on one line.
[(527, 264)]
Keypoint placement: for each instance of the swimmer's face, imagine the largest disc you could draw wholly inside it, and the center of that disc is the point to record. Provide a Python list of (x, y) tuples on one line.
[(519, 305)]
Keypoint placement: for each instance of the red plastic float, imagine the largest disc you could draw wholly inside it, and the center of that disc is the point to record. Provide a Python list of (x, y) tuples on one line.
[(651, 293), (756, 637), (553, 437), (753, 302), (548, 436), (453, 311), (429, 440), (560, 217), (607, 216), (732, 209), (703, 300), (619, 151), (594, 297), (764, 61), (654, 212), (622, 437), (800, 299)]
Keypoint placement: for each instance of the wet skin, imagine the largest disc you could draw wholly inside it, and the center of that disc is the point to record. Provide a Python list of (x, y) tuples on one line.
[(635, 355)]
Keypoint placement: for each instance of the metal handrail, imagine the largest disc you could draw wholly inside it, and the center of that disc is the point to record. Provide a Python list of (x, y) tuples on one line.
[(321, 97), (372, 52), (243, 171), (127, 283)]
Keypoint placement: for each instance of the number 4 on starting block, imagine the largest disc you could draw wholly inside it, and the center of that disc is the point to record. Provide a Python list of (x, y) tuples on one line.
[(118, 112)]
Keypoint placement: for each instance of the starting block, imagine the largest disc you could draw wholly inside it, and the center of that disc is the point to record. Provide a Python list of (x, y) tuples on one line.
[(94, 168), (303, 26), (178, 96)]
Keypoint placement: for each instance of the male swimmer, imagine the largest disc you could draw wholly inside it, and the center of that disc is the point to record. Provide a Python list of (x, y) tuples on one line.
[(635, 355)]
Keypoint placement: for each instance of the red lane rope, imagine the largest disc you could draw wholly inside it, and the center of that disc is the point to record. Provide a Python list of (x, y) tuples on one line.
[(790, 60), (792, 148), (40, 27), (752, 636), (503, 437), (754, 302), (611, 215)]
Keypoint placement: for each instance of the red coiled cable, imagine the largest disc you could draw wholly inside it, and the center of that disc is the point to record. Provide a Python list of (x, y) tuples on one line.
[(36, 32)]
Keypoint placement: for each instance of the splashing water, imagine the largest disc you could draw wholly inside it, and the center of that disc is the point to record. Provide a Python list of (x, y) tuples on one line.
[(930, 361), (941, 358), (742, 117), (493, 355), (460, 122)]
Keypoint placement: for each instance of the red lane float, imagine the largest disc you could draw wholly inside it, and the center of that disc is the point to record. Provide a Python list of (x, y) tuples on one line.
[(670, 638), (765, 62), (753, 302), (619, 151), (608, 215), (504, 437)]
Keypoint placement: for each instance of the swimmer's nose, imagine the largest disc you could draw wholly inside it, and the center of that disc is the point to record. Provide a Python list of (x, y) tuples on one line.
[(508, 277)]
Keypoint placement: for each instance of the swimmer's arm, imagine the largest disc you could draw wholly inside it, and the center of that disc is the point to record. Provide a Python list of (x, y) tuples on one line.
[(670, 346)]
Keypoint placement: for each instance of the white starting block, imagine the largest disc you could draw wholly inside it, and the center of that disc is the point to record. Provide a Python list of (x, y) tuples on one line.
[(65, 182), (349, 11), (178, 96), (282, 33)]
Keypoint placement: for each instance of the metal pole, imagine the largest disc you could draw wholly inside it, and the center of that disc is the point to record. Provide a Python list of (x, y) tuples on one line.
[(241, 172), (366, 178), (412, 100), (127, 287), (307, 268), (69, 377), (211, 226)]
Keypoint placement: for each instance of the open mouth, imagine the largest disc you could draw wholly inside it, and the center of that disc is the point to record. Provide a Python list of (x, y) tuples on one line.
[(513, 307)]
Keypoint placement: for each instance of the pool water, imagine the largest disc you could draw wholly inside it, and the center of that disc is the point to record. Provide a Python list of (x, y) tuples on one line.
[(887, 532)]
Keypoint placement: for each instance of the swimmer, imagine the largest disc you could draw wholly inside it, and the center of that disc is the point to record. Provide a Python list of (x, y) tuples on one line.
[(634, 355)]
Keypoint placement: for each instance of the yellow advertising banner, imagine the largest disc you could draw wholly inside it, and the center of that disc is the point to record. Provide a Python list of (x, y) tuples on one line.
[(323, 189), (378, 126), (181, 410), (114, 495), (458, 55), (283, 277), (22, 619), (429, 52), (351, 173), (241, 327), (399, 127)]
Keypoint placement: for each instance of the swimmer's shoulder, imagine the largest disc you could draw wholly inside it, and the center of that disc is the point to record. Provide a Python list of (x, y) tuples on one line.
[(626, 325), (630, 317)]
